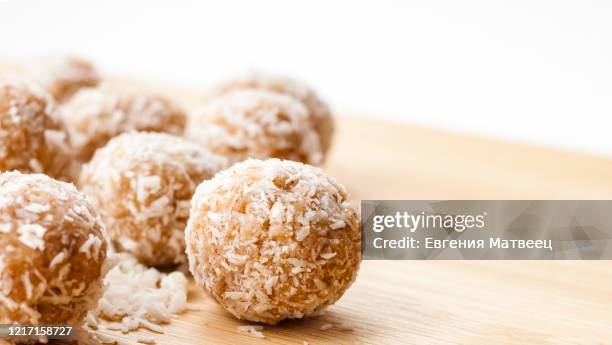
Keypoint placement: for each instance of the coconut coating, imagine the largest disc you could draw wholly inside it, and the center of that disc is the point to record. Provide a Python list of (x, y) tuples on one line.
[(24, 116), (319, 111), (94, 115), (62, 76), (142, 184), (257, 124), (52, 251), (57, 158), (272, 240)]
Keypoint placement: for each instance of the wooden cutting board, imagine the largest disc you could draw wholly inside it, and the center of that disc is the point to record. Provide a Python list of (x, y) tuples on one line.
[(438, 302), (441, 302)]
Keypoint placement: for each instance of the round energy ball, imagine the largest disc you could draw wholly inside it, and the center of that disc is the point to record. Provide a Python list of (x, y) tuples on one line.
[(53, 250), (319, 111), (94, 115), (142, 184), (62, 76), (273, 240), (256, 124), (24, 116), (31, 140)]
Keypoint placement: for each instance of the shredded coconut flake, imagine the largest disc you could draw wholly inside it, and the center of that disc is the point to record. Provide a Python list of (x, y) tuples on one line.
[(91, 320), (338, 225), (252, 330), (328, 256), (36, 208), (302, 233), (32, 236), (235, 258), (326, 327), (91, 246), (58, 259), (25, 278)]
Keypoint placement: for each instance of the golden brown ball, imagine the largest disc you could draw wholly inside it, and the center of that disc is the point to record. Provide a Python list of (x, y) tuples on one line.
[(95, 115), (24, 117), (256, 124), (272, 240), (62, 76), (142, 184), (318, 110), (53, 250)]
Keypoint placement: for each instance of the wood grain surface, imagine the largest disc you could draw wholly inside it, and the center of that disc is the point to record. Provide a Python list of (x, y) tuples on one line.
[(438, 302)]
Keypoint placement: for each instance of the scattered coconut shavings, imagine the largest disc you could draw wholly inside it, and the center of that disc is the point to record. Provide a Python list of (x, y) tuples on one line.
[(252, 330), (84, 336), (326, 327), (96, 338), (139, 297)]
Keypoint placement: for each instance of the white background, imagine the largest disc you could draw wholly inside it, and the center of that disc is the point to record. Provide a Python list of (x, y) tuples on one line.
[(532, 71)]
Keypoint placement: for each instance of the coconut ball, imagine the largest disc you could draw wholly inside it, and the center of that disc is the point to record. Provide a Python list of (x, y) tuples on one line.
[(273, 240), (257, 124), (318, 110), (142, 184), (53, 251), (31, 140), (94, 115), (24, 116), (62, 76)]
